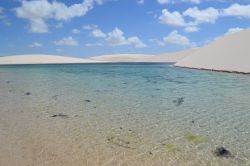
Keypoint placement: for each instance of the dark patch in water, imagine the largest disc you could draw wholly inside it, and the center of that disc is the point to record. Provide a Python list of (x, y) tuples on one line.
[(27, 93), (174, 81), (119, 142), (8, 82), (55, 97), (154, 79), (105, 90), (179, 101), (88, 101), (222, 152), (60, 115)]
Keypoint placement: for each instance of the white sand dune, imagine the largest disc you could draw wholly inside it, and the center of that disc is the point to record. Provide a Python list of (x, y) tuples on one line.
[(167, 57), (230, 53), (171, 57), (122, 58), (42, 59)]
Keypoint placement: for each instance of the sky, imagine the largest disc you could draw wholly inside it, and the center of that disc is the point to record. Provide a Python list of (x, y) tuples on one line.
[(84, 28)]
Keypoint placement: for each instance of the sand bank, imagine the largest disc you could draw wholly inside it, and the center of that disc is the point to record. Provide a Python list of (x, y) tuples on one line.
[(230, 54)]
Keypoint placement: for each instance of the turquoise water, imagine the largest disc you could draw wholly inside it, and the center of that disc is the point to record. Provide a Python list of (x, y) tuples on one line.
[(177, 115)]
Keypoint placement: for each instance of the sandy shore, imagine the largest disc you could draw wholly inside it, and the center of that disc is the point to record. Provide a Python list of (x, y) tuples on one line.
[(230, 54), (42, 59)]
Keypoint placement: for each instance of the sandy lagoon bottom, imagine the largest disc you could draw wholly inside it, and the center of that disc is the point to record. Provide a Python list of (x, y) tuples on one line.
[(122, 114)]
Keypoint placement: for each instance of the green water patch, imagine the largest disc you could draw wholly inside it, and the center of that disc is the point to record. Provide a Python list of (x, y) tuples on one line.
[(171, 146), (248, 163), (196, 139)]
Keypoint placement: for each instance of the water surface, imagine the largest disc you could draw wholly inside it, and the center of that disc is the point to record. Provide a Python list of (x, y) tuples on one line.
[(126, 114)]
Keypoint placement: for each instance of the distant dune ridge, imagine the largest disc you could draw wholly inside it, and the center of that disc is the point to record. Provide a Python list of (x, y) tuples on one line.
[(230, 53), (41, 59), (122, 58), (166, 57)]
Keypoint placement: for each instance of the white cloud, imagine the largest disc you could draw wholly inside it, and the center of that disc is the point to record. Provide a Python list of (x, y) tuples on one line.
[(38, 26), (136, 42), (163, 1), (1, 13), (175, 38), (98, 33), (59, 25), (93, 44), (36, 44), (140, 1), (59, 50), (116, 38), (158, 42), (192, 29), (90, 27), (1, 10), (76, 31), (237, 10), (233, 30), (175, 1), (173, 19), (39, 11), (190, 19), (209, 15), (193, 1), (66, 41)]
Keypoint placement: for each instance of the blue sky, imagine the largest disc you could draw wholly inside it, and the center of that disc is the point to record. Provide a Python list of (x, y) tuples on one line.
[(84, 28)]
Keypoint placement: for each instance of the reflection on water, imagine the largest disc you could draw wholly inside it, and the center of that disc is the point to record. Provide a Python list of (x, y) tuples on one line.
[(135, 114)]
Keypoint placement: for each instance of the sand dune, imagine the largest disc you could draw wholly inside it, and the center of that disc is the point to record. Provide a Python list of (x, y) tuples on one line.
[(167, 57), (122, 58), (171, 57), (42, 59), (230, 53)]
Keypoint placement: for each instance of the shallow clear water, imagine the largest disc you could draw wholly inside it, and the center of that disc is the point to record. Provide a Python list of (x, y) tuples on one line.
[(152, 114)]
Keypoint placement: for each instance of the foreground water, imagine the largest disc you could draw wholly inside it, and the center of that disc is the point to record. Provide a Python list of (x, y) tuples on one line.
[(122, 114)]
